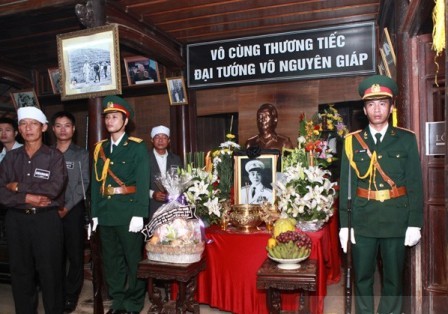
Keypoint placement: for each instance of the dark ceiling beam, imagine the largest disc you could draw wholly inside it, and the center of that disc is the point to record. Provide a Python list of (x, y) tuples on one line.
[(145, 39), (14, 75)]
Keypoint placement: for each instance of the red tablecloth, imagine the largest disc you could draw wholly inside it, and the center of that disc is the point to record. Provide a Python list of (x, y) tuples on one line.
[(233, 258)]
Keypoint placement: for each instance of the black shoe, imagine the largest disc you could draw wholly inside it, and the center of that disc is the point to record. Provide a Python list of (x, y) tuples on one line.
[(69, 306)]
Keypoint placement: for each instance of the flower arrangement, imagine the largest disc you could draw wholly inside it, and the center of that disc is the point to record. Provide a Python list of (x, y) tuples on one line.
[(304, 190), (223, 165), (305, 193), (316, 138), (333, 122), (203, 195)]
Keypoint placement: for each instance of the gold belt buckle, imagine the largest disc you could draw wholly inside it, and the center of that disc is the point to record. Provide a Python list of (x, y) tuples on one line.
[(382, 195), (110, 190)]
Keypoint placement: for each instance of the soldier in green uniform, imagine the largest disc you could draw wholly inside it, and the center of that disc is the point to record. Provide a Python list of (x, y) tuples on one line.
[(119, 188), (381, 167)]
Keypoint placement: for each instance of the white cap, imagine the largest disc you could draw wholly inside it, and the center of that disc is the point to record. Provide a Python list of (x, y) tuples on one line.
[(160, 130), (31, 113), (254, 164)]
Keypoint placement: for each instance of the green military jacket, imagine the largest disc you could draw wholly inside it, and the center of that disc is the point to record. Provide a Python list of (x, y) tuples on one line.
[(399, 158), (129, 161)]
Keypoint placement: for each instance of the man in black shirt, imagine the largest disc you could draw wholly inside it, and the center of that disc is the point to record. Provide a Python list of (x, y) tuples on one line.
[(32, 183)]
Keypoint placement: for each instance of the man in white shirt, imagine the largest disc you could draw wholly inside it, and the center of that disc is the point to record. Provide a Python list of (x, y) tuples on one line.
[(8, 133), (161, 161)]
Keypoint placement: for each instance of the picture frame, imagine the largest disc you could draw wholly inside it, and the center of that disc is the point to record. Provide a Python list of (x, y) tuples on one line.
[(141, 70), (55, 80), (388, 48), (89, 62), (388, 55), (387, 70), (177, 91), (25, 98), (244, 184)]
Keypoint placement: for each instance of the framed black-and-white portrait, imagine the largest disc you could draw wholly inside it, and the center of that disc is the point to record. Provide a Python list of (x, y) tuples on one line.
[(177, 91), (25, 98), (89, 62), (254, 178), (55, 80), (141, 70)]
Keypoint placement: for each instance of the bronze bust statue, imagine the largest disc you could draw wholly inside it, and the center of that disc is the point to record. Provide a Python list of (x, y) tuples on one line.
[(267, 117)]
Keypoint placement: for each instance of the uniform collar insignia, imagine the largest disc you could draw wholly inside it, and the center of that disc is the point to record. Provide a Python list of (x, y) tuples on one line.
[(125, 143), (365, 135), (393, 133)]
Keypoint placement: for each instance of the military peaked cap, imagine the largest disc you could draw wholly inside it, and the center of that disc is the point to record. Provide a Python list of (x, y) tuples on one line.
[(254, 165), (117, 104), (377, 87)]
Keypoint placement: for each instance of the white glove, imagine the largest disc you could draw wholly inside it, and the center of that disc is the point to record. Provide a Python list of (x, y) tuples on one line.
[(91, 228), (136, 224), (94, 223), (343, 237), (413, 235)]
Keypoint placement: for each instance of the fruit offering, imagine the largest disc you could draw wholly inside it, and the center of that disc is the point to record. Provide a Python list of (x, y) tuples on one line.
[(289, 245), (283, 225)]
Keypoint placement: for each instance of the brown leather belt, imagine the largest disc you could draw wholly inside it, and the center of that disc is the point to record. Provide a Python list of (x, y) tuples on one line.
[(110, 190), (381, 195)]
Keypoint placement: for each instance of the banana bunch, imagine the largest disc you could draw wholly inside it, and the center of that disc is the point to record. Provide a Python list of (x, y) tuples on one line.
[(288, 251)]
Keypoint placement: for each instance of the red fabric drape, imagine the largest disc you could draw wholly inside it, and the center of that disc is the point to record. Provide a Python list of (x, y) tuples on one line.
[(233, 259)]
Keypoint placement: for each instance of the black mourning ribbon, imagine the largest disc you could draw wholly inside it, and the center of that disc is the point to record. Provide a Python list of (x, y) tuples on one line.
[(253, 152)]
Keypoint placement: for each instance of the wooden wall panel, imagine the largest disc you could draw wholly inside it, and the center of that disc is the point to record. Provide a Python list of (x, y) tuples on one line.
[(290, 98), (150, 111)]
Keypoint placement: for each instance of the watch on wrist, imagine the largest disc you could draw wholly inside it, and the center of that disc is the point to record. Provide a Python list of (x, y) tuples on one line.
[(17, 187)]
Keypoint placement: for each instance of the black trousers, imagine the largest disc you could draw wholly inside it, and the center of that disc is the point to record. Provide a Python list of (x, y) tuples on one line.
[(74, 231), (35, 244)]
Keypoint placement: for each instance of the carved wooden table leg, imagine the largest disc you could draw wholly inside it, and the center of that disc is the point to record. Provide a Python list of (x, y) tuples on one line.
[(155, 297), (274, 301), (186, 277), (191, 304), (180, 302), (304, 307)]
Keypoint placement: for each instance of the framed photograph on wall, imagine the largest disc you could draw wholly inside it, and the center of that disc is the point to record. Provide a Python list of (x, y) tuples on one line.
[(387, 69), (177, 91), (254, 178), (388, 55), (25, 98), (89, 62), (55, 80), (141, 70)]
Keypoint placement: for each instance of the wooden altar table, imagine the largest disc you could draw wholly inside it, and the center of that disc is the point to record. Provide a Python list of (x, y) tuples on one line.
[(233, 259), (183, 274), (275, 280)]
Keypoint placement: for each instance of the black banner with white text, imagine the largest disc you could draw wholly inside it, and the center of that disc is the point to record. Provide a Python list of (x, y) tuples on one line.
[(309, 54)]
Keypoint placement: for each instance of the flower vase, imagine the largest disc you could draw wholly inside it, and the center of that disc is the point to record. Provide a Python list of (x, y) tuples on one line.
[(311, 225)]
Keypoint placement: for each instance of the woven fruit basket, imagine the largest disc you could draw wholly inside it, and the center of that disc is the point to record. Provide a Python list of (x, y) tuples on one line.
[(179, 241), (184, 254)]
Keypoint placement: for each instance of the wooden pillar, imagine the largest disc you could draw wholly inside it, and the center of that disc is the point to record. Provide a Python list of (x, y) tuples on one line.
[(94, 16)]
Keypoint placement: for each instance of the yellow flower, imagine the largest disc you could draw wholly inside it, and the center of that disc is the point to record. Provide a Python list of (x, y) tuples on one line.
[(230, 136)]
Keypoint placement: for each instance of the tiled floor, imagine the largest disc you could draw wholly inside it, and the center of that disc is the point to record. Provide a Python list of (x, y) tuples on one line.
[(334, 302)]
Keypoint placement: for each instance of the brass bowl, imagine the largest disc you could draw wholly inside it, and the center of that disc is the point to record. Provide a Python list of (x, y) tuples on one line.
[(246, 217)]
